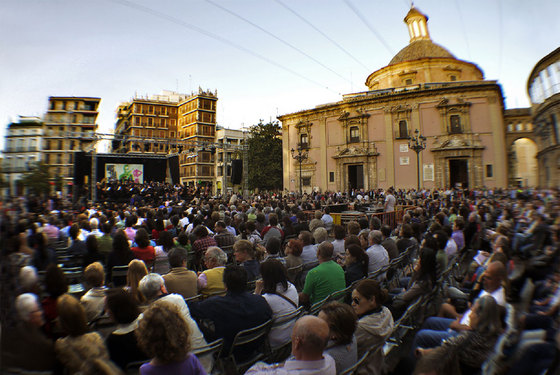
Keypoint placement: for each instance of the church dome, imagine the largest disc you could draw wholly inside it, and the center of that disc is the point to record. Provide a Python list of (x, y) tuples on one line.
[(420, 49)]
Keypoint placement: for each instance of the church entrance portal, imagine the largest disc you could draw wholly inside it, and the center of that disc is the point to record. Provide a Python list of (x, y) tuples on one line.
[(355, 176), (458, 173)]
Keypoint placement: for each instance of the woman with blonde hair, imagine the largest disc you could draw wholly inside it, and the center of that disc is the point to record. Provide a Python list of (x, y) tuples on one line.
[(79, 346), (163, 334), (136, 271)]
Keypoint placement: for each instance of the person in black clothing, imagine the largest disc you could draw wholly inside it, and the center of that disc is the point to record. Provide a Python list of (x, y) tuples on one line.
[(121, 254), (121, 343), (236, 311), (93, 254), (356, 263)]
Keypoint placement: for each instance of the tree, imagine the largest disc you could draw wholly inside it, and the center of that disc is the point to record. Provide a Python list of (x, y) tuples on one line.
[(265, 156), (37, 179)]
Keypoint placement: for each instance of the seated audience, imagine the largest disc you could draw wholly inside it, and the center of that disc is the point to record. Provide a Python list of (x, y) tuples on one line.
[(378, 256), (342, 343), (211, 281), (165, 336), (309, 340), (326, 278), (180, 280), (136, 271), (375, 322), (244, 254), (121, 255), (273, 250), (143, 250), (280, 294), (356, 264), (94, 299)]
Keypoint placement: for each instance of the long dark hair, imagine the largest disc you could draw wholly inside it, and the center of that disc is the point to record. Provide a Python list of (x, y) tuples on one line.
[(428, 265), (273, 272), (360, 255)]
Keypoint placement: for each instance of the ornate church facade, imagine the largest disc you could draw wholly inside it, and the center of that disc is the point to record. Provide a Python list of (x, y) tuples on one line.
[(362, 141)]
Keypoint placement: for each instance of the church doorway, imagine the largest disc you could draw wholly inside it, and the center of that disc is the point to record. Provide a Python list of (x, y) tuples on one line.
[(458, 173), (524, 158), (355, 176)]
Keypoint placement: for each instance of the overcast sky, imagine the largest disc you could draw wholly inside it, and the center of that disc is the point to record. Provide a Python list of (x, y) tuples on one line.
[(264, 57)]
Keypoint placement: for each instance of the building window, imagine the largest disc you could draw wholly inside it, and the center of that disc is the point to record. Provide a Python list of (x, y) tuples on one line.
[(455, 121), (489, 170), (403, 129), (306, 181), (331, 176), (519, 127), (453, 78), (354, 134), (408, 81), (304, 141)]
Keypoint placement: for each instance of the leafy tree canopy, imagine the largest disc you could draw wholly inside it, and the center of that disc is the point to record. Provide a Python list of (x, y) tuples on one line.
[(265, 156), (37, 179)]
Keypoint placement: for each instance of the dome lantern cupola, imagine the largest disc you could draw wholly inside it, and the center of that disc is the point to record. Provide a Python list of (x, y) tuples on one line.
[(417, 25)]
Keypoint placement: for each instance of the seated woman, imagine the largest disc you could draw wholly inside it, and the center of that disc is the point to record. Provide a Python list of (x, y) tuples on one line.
[(472, 347), (143, 250), (281, 295), (422, 281), (79, 346), (136, 271), (342, 345), (94, 300), (356, 264), (163, 334), (293, 252), (165, 243), (121, 343), (375, 322)]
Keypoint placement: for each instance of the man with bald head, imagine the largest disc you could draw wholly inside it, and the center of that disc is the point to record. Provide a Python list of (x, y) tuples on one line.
[(309, 338)]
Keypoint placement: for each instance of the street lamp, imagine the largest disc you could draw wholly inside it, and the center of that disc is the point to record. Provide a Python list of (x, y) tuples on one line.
[(417, 143), (300, 155)]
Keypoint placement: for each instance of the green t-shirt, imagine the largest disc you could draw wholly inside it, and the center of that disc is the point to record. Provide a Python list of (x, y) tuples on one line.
[(326, 278)]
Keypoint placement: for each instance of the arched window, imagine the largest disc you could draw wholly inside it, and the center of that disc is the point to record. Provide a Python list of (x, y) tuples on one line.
[(354, 134)]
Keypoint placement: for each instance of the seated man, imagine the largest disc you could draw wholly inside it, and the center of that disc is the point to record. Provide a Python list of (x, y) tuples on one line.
[(234, 312), (25, 346), (436, 329), (309, 339), (211, 281), (94, 300), (180, 280), (223, 237), (326, 278)]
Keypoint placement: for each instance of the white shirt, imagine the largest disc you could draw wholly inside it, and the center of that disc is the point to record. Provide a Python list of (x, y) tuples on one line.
[(500, 297), (378, 257), (309, 254), (281, 335), (390, 202), (325, 366), (450, 248)]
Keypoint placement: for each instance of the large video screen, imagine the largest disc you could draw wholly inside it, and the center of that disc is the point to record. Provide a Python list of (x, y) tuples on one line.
[(131, 172)]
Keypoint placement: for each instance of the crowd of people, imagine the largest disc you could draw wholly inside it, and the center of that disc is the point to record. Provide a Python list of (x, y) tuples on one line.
[(200, 268)]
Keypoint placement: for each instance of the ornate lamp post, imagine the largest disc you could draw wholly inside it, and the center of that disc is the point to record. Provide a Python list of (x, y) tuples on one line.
[(417, 143), (300, 155)]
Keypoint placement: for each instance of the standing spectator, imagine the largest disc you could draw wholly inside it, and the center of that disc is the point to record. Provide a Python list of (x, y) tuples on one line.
[(326, 278), (180, 280), (390, 201)]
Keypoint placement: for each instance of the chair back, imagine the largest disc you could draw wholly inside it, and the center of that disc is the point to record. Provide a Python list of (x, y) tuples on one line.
[(354, 369), (247, 337), (118, 275), (213, 349)]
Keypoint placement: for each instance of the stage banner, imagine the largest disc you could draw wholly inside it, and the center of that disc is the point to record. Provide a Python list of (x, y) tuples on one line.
[(132, 172)]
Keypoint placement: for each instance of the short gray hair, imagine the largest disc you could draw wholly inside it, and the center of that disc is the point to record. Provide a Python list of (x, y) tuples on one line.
[(28, 277), (25, 304), (320, 234), (150, 285), (218, 254), (376, 236)]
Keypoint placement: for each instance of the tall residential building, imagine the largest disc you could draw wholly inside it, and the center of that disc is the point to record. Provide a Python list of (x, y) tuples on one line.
[(169, 123), (69, 125), (232, 140), (362, 141), (23, 149)]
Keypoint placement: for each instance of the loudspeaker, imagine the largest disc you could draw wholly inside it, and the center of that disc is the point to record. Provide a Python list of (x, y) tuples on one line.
[(236, 171)]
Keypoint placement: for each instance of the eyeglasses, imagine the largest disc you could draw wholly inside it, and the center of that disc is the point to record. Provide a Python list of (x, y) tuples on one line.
[(356, 300)]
